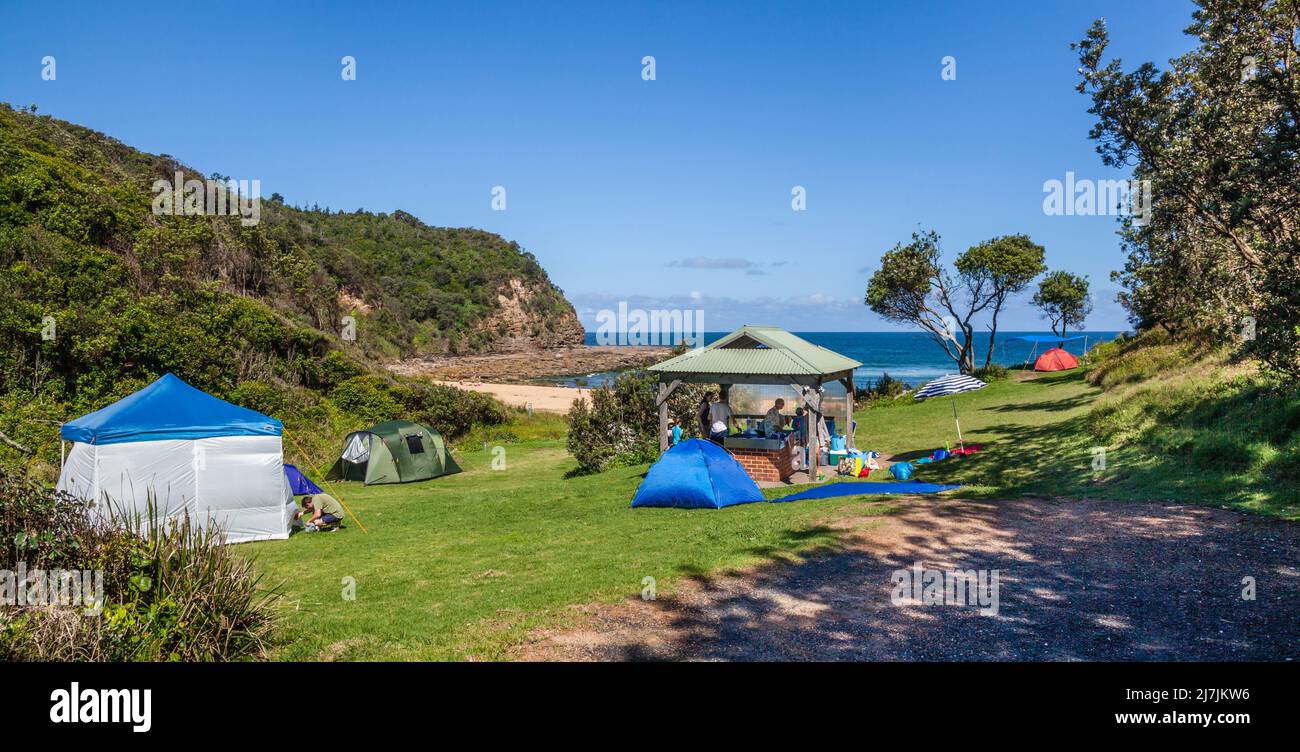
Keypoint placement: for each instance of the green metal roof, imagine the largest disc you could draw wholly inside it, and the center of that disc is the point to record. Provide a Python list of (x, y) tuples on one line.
[(759, 351)]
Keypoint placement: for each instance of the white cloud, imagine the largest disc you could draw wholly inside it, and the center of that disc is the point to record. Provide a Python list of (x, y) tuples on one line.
[(706, 262)]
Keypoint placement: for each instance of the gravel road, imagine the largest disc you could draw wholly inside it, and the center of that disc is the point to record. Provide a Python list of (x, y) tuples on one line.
[(1077, 580)]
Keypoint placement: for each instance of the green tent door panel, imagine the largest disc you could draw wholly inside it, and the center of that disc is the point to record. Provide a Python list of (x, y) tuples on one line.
[(381, 468)]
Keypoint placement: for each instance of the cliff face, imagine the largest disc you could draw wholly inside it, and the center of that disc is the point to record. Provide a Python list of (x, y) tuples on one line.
[(528, 319), (389, 286)]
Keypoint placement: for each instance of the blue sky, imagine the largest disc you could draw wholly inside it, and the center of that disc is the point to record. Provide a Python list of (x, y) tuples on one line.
[(672, 192)]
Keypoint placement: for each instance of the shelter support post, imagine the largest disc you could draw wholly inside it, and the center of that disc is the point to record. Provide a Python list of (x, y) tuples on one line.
[(812, 428), (665, 391), (848, 424)]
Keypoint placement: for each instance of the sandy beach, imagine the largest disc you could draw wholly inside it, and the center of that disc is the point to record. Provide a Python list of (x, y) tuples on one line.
[(551, 399), (494, 373), (533, 364)]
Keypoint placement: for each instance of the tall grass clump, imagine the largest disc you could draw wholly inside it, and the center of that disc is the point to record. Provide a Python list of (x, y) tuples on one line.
[(171, 591)]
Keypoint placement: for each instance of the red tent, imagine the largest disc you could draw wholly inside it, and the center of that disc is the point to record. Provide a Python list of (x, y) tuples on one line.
[(1056, 359)]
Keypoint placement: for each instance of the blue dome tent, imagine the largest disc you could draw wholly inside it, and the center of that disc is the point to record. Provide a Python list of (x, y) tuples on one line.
[(186, 453), (300, 484), (696, 474)]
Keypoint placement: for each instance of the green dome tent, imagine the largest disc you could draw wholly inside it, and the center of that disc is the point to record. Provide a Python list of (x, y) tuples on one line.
[(396, 451)]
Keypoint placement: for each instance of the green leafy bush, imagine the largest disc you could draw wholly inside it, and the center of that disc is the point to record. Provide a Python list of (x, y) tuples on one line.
[(368, 398), (451, 411), (886, 390), (991, 372), (170, 592), (620, 426)]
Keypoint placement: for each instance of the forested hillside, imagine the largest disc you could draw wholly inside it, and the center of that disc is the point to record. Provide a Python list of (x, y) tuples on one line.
[(100, 294)]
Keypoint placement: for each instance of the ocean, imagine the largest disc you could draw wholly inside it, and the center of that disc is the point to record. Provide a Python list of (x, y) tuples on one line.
[(911, 357)]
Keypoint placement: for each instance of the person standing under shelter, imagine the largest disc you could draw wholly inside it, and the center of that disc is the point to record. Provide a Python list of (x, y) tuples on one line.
[(719, 419), (702, 414), (774, 421)]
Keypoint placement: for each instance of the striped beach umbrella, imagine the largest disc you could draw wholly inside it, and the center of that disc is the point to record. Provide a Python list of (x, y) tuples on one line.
[(950, 386)]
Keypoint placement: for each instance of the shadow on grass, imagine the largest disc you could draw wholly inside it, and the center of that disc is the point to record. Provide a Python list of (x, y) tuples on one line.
[(1071, 587)]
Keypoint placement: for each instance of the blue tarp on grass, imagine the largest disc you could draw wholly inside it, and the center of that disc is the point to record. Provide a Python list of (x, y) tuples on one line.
[(857, 488)]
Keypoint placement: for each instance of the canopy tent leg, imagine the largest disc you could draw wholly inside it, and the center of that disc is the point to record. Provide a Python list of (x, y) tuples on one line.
[(665, 391), (848, 425)]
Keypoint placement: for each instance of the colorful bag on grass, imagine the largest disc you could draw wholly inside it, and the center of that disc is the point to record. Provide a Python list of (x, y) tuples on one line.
[(940, 454), (901, 470)]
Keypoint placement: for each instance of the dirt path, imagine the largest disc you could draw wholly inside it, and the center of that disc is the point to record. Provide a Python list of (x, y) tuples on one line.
[(1078, 580)]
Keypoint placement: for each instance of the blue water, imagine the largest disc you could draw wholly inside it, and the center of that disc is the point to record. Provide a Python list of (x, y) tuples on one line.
[(911, 357)]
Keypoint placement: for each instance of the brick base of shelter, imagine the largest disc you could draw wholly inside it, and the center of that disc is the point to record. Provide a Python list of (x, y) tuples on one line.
[(767, 465)]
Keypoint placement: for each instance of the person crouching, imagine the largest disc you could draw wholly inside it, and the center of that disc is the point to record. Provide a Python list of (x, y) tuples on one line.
[(320, 512)]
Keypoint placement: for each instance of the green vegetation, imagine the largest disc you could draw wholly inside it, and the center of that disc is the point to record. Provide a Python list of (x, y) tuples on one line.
[(175, 594), (913, 287), (102, 295), (1215, 136), (621, 425), (1064, 301), (463, 566), (466, 565), (1176, 422)]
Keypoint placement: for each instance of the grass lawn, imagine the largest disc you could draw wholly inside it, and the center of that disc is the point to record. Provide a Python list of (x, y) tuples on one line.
[(463, 566), (1185, 432), (1031, 427)]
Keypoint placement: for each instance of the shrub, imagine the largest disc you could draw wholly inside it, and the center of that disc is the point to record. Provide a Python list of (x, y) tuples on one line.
[(450, 411), (368, 398), (260, 396), (885, 390), (621, 424), (170, 592), (991, 372)]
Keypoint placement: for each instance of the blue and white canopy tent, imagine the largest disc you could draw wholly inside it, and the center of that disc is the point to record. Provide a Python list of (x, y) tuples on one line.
[(218, 463), (950, 386)]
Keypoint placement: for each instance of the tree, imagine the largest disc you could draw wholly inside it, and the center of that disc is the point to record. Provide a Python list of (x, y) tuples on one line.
[(1008, 263), (1217, 137), (1064, 300), (912, 287)]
